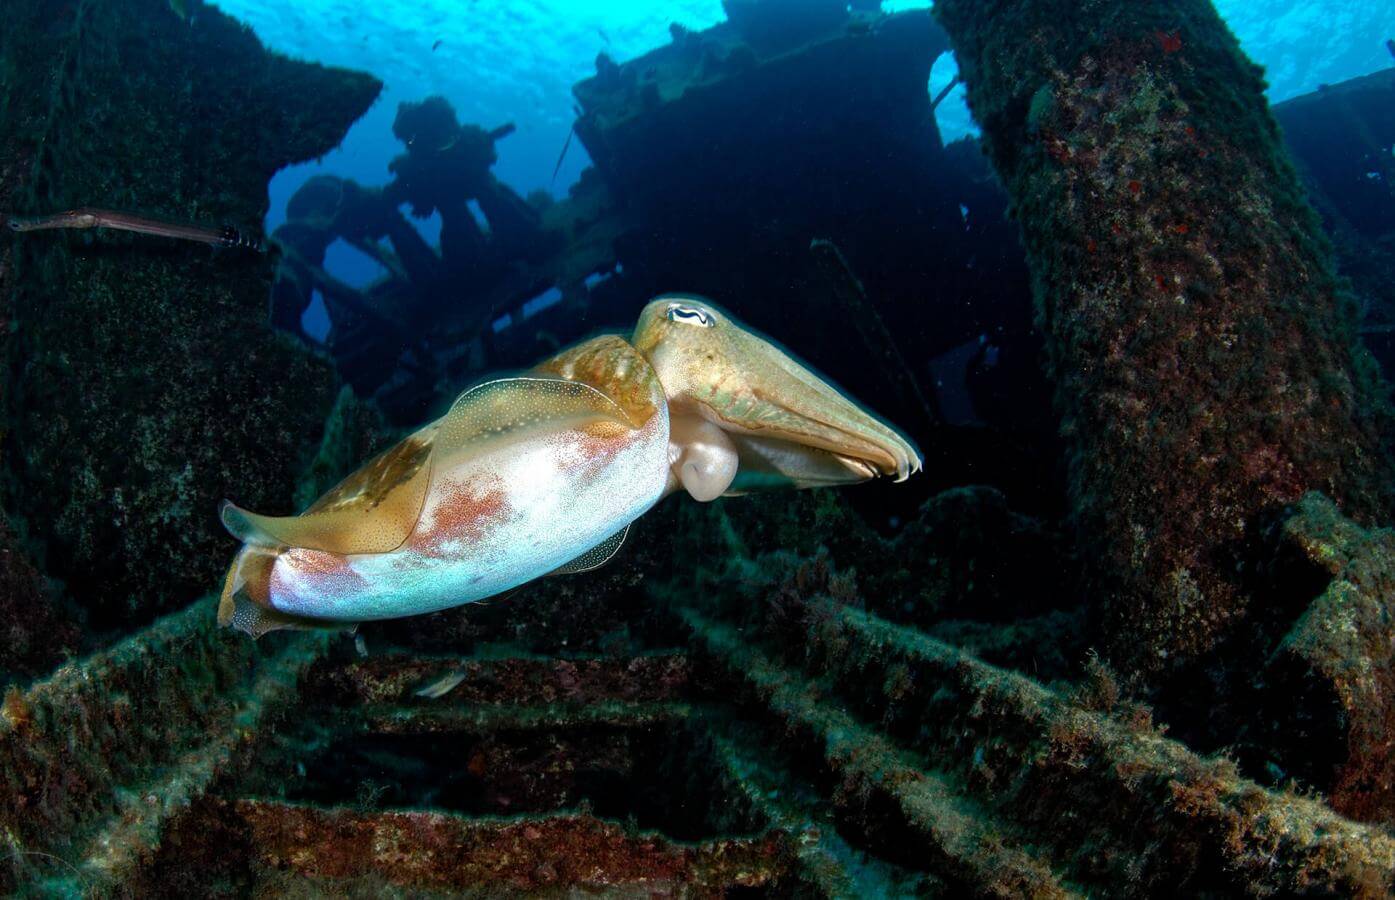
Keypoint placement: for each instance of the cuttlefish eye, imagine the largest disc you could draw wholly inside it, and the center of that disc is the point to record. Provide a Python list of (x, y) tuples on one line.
[(690, 315)]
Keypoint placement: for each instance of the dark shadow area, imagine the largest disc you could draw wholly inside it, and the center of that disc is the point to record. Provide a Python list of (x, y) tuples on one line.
[(649, 777)]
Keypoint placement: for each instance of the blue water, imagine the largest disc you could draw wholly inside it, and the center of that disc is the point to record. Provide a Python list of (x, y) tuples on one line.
[(515, 61)]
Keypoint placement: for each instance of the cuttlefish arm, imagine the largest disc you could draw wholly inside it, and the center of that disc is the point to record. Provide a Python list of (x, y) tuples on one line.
[(747, 416), (524, 476)]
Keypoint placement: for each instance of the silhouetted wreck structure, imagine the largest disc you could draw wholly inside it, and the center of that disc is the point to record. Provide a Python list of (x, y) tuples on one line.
[(788, 166), (1342, 136), (762, 696)]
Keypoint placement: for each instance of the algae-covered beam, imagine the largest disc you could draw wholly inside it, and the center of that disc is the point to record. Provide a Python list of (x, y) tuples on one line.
[(1204, 358), (951, 835), (1330, 703), (980, 760), (338, 848), (99, 756)]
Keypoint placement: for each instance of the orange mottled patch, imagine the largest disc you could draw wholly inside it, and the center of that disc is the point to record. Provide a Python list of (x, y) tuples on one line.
[(610, 365), (595, 445), (465, 512), (606, 430), (317, 565), (317, 562)]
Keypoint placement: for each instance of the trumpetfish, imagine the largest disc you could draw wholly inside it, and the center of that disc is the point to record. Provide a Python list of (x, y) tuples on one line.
[(92, 217), (543, 473)]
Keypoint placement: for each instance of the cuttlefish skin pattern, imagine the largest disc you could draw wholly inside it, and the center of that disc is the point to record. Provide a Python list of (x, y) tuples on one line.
[(525, 475), (495, 520)]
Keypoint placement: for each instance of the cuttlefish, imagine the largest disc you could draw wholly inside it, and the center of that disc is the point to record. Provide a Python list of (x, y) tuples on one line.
[(543, 473)]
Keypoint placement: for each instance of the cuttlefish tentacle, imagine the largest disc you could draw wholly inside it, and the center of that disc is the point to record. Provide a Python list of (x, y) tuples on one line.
[(544, 472)]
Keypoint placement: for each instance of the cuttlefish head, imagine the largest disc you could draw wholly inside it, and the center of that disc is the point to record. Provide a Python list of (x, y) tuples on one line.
[(745, 415)]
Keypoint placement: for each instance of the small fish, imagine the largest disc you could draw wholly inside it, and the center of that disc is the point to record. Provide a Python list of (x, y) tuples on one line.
[(1170, 43), (441, 686), (91, 217), (436, 46), (361, 646), (605, 37)]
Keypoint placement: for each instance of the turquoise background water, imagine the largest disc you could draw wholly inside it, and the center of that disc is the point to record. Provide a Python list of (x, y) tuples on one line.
[(515, 61)]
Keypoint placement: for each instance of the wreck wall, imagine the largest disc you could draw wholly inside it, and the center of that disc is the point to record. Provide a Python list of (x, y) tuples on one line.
[(144, 382), (1203, 353)]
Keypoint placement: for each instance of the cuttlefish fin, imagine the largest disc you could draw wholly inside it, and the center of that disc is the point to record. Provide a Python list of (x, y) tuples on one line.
[(245, 591), (596, 557), (372, 511), (247, 526), (506, 408), (257, 620), (250, 573)]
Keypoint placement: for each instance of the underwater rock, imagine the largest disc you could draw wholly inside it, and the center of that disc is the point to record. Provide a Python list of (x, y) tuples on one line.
[(144, 379), (965, 555), (1331, 682), (780, 734), (280, 849), (37, 632), (1204, 356)]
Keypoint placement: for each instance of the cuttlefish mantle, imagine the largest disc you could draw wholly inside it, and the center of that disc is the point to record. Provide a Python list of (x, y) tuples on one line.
[(543, 473)]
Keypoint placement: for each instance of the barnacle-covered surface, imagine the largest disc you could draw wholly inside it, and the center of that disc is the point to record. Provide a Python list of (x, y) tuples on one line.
[(144, 382), (1335, 669), (99, 755), (1204, 355), (991, 780)]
